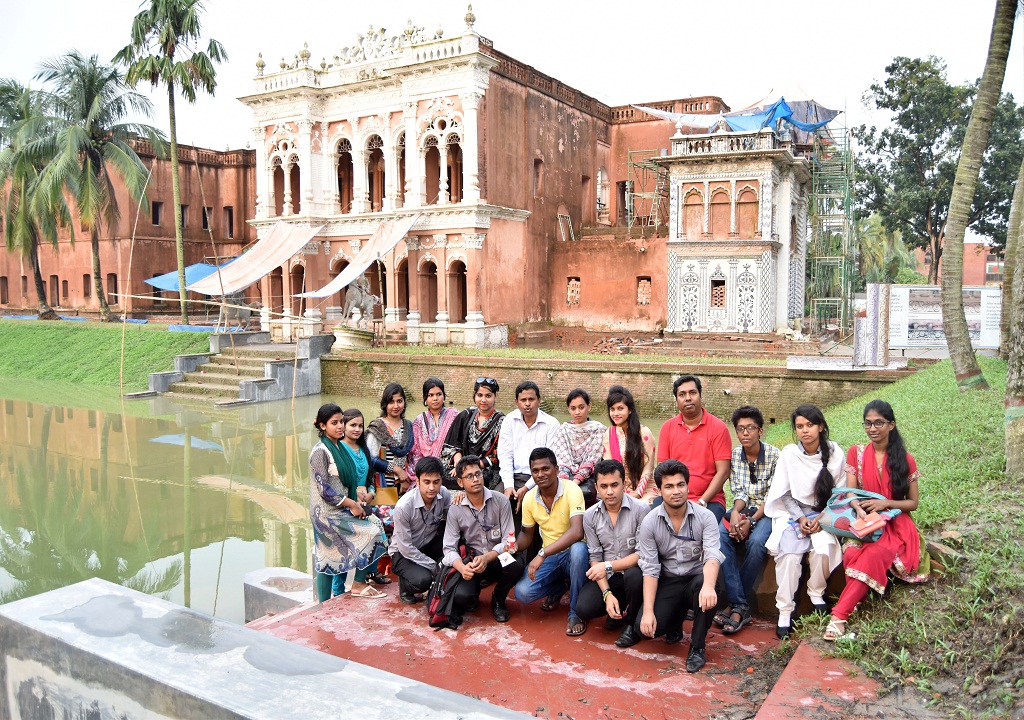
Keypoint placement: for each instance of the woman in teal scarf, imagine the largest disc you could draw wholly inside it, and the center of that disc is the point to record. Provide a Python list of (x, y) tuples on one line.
[(346, 536)]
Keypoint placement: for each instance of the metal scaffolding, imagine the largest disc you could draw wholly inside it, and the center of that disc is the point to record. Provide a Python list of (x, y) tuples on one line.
[(832, 259), (647, 190)]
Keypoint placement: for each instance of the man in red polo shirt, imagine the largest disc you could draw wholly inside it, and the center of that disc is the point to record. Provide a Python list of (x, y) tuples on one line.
[(701, 442)]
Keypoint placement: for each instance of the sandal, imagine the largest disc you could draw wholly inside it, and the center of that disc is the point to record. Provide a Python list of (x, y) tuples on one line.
[(370, 593), (378, 579), (836, 629), (733, 626), (723, 617), (551, 603), (576, 626)]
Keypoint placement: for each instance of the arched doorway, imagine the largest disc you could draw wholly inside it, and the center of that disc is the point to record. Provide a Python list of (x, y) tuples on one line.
[(431, 170), (375, 172), (454, 169), (345, 176), (278, 189), (377, 276), (402, 285), (277, 291), (428, 292), (457, 300), (335, 270), (298, 276)]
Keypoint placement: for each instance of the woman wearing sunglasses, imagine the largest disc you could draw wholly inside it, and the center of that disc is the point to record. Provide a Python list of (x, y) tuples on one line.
[(475, 432)]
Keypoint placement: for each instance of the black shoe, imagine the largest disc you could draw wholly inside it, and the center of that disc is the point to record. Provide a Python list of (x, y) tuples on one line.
[(613, 624), (695, 660), (783, 631), (628, 638), (473, 605), (674, 637), (499, 611), (408, 598), (821, 608), (689, 614)]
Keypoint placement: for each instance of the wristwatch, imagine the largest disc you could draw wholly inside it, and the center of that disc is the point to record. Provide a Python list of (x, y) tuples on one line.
[(703, 502), (608, 569), (541, 553)]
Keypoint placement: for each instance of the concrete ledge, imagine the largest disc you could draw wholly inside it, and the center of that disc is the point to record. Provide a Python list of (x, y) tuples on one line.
[(274, 590), (160, 382), (815, 686), (99, 650), (221, 342)]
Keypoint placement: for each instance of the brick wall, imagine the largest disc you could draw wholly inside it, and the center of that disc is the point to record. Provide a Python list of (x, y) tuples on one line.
[(775, 390)]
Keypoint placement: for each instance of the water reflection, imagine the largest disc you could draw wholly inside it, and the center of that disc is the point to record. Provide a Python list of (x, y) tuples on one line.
[(86, 492)]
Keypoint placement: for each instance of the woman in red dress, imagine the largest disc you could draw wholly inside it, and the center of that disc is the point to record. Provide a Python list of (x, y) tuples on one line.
[(884, 467)]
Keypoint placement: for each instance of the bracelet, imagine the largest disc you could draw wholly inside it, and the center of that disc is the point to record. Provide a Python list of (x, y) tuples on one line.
[(605, 594)]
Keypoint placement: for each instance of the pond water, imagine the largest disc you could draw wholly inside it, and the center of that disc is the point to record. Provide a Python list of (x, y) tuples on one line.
[(171, 500)]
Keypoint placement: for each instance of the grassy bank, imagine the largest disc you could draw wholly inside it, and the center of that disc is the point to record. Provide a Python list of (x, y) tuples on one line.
[(959, 638), (548, 354), (90, 353)]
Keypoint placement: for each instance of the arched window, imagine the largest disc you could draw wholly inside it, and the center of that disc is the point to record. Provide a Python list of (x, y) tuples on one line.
[(428, 291), (278, 188), (345, 174), (296, 195), (337, 265), (720, 211), (746, 214), (402, 283), (454, 169), (375, 172), (693, 216), (457, 299), (431, 169), (298, 277), (400, 191)]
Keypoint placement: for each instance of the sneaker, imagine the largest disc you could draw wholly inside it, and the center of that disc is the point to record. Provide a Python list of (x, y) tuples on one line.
[(695, 660)]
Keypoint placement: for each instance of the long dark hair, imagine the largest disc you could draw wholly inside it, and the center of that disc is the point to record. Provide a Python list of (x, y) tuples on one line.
[(390, 390), (348, 416), (824, 483), (325, 413), (634, 455), (896, 453)]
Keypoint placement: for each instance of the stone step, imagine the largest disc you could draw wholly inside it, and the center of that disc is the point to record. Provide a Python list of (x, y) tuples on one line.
[(219, 375), (227, 362), (204, 390)]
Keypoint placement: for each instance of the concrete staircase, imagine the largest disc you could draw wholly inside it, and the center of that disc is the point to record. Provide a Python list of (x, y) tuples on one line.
[(219, 378)]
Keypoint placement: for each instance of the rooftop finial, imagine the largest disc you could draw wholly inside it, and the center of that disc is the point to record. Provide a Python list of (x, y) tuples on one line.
[(470, 17), (305, 54), (260, 65)]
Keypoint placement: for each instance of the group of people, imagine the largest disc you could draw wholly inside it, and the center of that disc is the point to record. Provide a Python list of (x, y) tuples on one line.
[(631, 529)]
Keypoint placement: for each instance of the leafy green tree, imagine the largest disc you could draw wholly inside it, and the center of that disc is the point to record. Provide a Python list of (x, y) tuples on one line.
[(30, 215), (90, 143), (906, 170), (164, 50), (882, 252)]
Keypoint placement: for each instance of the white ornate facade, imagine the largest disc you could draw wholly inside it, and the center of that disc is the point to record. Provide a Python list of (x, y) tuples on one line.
[(738, 232)]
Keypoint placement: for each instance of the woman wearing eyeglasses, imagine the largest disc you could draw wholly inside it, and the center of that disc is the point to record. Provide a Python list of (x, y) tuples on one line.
[(475, 432), (884, 467), (430, 428), (804, 477)]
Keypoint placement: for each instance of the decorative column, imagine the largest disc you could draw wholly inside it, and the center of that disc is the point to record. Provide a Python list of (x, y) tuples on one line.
[(307, 168), (470, 148), (412, 320), (360, 192), (391, 301), (328, 173), (703, 295), (259, 138), (271, 206), (442, 173), (413, 159), (732, 299), (765, 200), (707, 207), (390, 175), (474, 333), (732, 208), (287, 169), (443, 316)]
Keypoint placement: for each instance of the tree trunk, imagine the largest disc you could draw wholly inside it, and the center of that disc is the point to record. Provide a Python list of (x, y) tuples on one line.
[(1014, 407), (933, 269), (45, 311), (1013, 229), (958, 340), (97, 276), (179, 241)]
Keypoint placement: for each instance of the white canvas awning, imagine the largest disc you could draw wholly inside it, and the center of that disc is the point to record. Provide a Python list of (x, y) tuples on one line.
[(273, 251), (383, 240)]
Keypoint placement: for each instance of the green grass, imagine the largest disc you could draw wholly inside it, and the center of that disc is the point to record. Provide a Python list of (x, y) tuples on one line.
[(960, 637), (547, 354), (90, 353)]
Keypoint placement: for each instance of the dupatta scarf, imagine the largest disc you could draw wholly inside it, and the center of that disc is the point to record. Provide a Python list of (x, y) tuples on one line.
[(578, 448)]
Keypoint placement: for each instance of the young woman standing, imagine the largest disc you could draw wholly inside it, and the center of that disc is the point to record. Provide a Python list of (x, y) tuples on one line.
[(345, 537), (579, 445), (430, 428), (630, 443), (884, 467), (390, 438), (475, 432), (804, 477)]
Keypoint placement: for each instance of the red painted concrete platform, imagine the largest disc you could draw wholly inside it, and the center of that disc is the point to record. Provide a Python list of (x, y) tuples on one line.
[(528, 664), (814, 686)]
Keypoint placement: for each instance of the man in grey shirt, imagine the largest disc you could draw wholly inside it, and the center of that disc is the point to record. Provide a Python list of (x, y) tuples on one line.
[(680, 559), (482, 521), (616, 584), (418, 531)]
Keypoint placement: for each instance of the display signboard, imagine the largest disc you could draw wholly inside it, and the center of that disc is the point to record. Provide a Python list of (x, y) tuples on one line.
[(915, 316)]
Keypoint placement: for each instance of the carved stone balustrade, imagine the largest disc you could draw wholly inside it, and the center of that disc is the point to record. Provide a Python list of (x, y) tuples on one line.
[(718, 143)]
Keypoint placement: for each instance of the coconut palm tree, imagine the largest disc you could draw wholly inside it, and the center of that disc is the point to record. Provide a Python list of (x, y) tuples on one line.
[(965, 364), (165, 50), (882, 253), (90, 142), (30, 215)]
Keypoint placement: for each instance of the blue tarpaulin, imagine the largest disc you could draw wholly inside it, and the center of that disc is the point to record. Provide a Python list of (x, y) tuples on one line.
[(805, 115), (193, 274)]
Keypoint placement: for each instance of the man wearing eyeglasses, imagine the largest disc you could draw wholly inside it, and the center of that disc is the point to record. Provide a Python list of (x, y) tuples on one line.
[(418, 531), (680, 560), (753, 465), (483, 521)]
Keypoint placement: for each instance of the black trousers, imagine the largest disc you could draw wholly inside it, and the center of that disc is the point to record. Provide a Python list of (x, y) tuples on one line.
[(504, 579), (413, 577), (626, 586), (676, 595)]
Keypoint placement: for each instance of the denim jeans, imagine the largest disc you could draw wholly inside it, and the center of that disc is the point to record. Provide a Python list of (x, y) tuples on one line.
[(740, 577), (552, 573)]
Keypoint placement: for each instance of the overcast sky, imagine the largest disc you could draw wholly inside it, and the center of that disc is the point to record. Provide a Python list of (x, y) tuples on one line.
[(619, 52)]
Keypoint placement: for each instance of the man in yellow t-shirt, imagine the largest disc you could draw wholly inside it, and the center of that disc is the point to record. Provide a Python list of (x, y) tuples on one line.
[(556, 507)]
